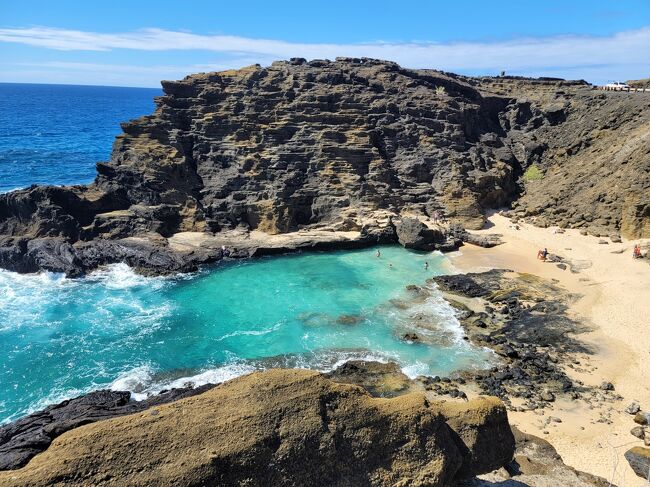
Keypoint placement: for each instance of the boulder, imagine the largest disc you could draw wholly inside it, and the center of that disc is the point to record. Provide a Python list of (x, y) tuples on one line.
[(607, 386), (379, 379), (638, 431), (413, 234), (639, 459), (481, 424), (280, 427), (642, 418)]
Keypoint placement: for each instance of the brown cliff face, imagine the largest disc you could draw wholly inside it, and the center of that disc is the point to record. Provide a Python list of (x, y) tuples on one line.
[(595, 162), (332, 145)]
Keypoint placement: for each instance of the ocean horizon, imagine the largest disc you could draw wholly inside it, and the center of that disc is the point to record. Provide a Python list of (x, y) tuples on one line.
[(56, 133)]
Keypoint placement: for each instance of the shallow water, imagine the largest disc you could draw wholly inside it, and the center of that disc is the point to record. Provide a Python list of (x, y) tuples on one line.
[(61, 337)]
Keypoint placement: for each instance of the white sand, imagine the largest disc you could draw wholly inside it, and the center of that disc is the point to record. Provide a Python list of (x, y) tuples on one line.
[(615, 292)]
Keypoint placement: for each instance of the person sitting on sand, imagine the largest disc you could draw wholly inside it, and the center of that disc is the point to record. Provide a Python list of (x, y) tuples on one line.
[(636, 253), (542, 254)]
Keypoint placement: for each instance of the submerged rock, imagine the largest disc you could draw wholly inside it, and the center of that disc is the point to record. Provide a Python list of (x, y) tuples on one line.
[(281, 427)]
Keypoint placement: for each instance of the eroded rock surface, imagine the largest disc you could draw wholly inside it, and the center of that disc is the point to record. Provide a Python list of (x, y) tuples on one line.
[(340, 146), (21, 440), (536, 464), (280, 427)]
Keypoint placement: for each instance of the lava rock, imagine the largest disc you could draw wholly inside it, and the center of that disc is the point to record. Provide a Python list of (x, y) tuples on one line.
[(413, 234)]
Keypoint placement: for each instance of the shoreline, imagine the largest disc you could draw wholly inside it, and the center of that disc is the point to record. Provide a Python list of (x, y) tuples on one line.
[(610, 288), (580, 437)]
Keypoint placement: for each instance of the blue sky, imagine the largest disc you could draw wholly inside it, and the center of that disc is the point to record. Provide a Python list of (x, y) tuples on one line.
[(138, 43)]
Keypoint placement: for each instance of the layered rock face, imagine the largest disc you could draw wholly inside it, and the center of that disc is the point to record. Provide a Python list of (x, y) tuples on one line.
[(281, 427), (339, 146), (594, 157)]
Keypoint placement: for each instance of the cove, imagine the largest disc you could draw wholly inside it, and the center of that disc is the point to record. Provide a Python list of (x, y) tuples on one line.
[(115, 329)]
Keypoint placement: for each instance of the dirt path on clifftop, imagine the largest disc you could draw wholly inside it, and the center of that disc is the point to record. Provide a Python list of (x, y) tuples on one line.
[(615, 300)]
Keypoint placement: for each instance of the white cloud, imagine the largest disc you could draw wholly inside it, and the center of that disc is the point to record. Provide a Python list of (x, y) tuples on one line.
[(624, 54)]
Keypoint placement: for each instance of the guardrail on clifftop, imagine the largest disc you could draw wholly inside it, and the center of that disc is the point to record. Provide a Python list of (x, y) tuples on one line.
[(629, 90)]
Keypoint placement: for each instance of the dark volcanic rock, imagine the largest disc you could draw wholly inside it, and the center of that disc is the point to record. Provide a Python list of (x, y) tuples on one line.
[(311, 145), (413, 234), (28, 436), (639, 459), (379, 379), (533, 338), (461, 284), (338, 145)]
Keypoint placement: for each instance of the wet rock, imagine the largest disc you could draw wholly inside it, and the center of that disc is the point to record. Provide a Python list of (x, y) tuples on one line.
[(411, 337), (461, 284), (349, 319)]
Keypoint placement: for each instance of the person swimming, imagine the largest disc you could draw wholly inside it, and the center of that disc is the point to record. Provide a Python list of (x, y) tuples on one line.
[(378, 253), (426, 265)]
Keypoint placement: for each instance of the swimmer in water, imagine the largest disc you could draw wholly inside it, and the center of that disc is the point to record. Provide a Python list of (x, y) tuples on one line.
[(426, 265), (378, 253)]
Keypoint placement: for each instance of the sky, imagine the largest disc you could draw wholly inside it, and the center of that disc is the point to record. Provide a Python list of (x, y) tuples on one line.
[(139, 43)]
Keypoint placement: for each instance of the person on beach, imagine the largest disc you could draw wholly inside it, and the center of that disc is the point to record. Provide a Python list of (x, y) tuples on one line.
[(636, 253), (542, 254)]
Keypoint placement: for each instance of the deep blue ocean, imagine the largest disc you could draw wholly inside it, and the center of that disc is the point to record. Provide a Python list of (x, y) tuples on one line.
[(60, 337), (54, 134)]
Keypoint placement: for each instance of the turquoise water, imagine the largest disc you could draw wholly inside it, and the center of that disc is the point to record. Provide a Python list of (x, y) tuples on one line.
[(115, 329)]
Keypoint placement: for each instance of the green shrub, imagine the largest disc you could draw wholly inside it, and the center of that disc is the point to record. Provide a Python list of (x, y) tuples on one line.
[(533, 173), (440, 90)]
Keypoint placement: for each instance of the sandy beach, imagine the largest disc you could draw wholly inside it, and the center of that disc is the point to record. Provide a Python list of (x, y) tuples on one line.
[(614, 300)]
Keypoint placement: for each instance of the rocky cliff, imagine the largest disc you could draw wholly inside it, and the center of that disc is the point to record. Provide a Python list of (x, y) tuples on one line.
[(339, 146), (281, 427)]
